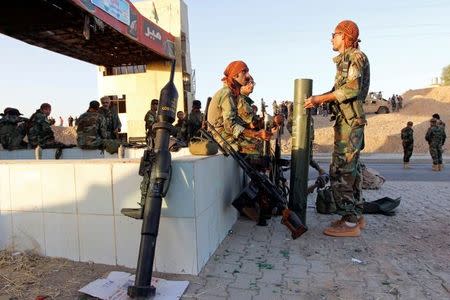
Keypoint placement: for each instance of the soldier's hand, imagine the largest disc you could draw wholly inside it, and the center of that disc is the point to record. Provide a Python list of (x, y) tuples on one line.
[(264, 135), (278, 120), (311, 102)]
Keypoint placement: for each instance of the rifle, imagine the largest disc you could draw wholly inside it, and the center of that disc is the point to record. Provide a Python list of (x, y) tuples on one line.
[(259, 183)]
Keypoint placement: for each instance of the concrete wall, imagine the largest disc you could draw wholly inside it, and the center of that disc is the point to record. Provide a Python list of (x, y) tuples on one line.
[(71, 209)]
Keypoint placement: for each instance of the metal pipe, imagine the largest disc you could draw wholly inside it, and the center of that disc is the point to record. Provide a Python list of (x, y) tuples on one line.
[(301, 135)]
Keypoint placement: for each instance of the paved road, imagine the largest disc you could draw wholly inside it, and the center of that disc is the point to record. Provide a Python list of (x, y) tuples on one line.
[(395, 172)]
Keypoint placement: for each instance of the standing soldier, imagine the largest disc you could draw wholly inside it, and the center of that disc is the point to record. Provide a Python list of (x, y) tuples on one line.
[(350, 89), (195, 119), (12, 129), (70, 121), (435, 137), (92, 131), (150, 119), (407, 135), (40, 132)]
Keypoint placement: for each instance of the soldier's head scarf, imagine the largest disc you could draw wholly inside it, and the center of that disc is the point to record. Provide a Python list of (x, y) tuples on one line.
[(231, 71), (351, 33)]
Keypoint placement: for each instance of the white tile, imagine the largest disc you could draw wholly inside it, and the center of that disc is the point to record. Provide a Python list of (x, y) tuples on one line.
[(176, 246), (6, 241), (207, 235), (5, 195), (58, 188), (28, 231), (208, 181), (61, 236), (97, 239), (179, 201), (25, 184), (126, 186), (93, 188), (128, 238)]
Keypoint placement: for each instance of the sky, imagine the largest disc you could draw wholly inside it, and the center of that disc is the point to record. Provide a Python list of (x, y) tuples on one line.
[(407, 43)]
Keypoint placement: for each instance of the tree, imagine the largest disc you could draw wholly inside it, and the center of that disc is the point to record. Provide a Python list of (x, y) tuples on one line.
[(445, 77)]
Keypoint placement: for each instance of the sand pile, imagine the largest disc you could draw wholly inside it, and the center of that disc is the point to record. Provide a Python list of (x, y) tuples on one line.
[(65, 135)]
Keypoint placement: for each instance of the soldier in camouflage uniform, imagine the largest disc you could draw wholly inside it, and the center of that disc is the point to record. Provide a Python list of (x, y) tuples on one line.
[(12, 130), (350, 89), (180, 127), (150, 119), (407, 135), (40, 131), (113, 125), (92, 131), (195, 119), (244, 106), (435, 137), (223, 115)]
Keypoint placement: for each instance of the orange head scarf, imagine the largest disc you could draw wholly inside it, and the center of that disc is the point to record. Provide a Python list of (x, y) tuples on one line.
[(351, 33), (231, 71)]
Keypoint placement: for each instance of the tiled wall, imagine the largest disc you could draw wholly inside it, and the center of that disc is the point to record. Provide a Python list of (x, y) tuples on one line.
[(71, 209)]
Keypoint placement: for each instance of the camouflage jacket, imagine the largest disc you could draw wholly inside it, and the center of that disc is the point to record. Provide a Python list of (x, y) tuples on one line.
[(351, 84), (223, 115), (91, 130), (40, 131), (150, 119), (194, 123), (245, 110), (12, 132), (112, 121), (435, 136), (407, 135)]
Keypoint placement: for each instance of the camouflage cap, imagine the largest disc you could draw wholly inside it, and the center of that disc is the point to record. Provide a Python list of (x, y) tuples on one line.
[(11, 111), (196, 103)]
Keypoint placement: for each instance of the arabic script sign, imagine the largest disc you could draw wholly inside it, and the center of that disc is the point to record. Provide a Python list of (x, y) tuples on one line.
[(119, 9)]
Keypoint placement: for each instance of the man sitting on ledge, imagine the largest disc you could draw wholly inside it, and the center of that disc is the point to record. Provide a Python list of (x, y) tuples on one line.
[(92, 131)]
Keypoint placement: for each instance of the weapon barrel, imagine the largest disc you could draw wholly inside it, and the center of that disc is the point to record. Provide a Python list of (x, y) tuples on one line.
[(300, 153)]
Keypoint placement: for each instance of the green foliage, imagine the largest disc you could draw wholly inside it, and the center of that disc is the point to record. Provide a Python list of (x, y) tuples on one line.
[(445, 77)]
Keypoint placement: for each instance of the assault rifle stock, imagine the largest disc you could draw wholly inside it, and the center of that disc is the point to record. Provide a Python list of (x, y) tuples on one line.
[(260, 182)]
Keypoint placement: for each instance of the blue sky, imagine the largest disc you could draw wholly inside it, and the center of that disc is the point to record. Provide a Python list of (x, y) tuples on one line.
[(407, 42)]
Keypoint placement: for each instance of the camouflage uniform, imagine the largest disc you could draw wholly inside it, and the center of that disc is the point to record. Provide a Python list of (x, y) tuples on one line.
[(180, 130), (150, 119), (245, 110), (407, 135), (92, 133), (350, 89), (112, 121), (40, 132), (194, 123), (223, 115), (12, 132), (435, 137)]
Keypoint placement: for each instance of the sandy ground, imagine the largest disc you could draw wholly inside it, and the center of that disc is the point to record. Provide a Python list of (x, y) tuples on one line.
[(382, 133)]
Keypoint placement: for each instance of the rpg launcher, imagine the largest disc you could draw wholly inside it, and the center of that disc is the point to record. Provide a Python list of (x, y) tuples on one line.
[(159, 172), (259, 184)]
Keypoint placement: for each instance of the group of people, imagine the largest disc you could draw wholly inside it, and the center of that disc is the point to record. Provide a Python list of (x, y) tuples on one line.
[(97, 128), (185, 127), (232, 116), (37, 129), (435, 137), (396, 102)]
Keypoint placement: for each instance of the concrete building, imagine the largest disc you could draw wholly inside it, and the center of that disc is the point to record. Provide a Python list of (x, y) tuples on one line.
[(133, 87)]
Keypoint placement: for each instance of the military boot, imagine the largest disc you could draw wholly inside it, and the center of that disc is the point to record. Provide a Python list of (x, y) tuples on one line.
[(435, 168), (441, 167), (405, 165)]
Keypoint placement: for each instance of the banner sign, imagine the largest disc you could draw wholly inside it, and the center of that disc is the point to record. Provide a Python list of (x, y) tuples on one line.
[(119, 9)]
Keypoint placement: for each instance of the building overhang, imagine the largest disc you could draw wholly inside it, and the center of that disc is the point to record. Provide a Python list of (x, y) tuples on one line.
[(101, 32)]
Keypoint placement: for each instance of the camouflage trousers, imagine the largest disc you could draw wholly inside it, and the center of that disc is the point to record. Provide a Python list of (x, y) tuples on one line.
[(407, 151), (436, 154), (345, 170)]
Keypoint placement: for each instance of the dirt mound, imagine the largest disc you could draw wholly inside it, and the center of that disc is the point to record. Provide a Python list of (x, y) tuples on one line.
[(65, 135), (382, 133)]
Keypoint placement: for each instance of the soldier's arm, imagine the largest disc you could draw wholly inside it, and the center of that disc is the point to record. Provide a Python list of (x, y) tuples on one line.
[(229, 115), (102, 127)]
